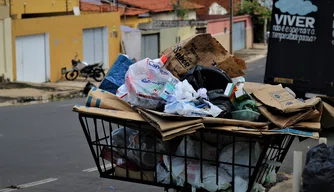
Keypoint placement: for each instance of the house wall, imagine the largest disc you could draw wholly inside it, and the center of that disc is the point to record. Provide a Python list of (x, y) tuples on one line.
[(6, 63), (171, 16), (4, 11), (134, 21), (20, 7), (208, 3), (186, 32), (65, 42), (168, 37), (220, 28)]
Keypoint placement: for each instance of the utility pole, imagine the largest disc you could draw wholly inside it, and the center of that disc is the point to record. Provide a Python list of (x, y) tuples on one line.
[(231, 26)]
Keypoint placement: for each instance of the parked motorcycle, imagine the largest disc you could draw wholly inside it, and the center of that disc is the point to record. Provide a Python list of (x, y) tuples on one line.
[(94, 71)]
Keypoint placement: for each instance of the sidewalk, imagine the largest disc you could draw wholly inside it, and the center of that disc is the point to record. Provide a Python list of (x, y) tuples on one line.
[(20, 93), (258, 51)]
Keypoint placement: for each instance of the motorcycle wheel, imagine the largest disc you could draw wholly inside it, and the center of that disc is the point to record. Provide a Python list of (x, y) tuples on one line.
[(71, 75), (98, 75)]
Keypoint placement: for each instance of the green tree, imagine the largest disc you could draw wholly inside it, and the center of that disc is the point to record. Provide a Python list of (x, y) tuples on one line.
[(181, 8), (259, 14)]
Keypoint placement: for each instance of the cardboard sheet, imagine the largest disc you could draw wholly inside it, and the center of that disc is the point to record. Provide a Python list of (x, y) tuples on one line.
[(126, 115), (283, 121), (279, 98), (327, 120), (286, 131), (222, 121), (105, 100), (205, 50)]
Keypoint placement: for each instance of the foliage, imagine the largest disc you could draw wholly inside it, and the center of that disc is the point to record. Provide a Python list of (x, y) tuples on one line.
[(181, 7), (259, 13)]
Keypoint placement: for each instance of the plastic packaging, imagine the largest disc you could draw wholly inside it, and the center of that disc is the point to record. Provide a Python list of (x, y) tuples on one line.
[(122, 92), (132, 141), (241, 156), (116, 76), (318, 174), (149, 84), (194, 174), (194, 149), (246, 115), (187, 102)]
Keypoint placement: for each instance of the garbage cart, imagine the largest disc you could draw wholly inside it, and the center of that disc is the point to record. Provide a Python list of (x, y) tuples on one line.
[(206, 160)]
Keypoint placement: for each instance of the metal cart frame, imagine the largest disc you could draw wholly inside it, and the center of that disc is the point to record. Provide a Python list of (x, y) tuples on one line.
[(98, 132)]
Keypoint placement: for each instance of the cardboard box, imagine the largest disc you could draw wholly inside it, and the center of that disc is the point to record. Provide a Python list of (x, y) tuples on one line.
[(279, 98), (202, 49), (147, 175)]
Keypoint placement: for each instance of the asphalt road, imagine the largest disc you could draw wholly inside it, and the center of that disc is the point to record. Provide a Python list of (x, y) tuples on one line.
[(43, 148)]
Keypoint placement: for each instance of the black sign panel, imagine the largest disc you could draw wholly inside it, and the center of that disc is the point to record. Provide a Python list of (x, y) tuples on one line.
[(301, 45)]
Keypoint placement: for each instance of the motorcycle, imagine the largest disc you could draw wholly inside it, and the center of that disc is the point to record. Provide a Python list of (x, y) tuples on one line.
[(94, 71)]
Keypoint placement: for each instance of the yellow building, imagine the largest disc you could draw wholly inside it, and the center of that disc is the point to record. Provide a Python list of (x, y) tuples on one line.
[(47, 34)]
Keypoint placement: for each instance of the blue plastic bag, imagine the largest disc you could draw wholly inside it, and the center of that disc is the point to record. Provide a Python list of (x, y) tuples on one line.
[(116, 76)]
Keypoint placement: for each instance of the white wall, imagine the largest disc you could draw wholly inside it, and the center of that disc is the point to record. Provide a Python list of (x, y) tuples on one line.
[(132, 44), (6, 62)]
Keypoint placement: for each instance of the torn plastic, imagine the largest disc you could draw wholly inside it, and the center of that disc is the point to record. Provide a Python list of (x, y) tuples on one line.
[(241, 157), (132, 141), (215, 81), (194, 149), (149, 85), (116, 76), (194, 174), (186, 101)]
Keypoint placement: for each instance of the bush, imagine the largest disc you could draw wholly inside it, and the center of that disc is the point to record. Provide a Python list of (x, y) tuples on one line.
[(259, 13)]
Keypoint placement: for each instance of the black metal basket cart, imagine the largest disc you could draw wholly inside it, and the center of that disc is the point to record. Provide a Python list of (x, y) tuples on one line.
[(207, 160)]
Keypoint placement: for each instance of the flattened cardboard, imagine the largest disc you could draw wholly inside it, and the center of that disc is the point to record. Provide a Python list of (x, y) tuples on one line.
[(284, 120), (251, 87), (279, 98), (164, 124), (238, 130), (222, 121), (205, 50), (311, 126), (295, 132), (126, 115), (105, 100), (327, 119), (147, 175)]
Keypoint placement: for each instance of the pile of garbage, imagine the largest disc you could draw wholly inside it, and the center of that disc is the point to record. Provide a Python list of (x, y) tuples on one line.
[(197, 80)]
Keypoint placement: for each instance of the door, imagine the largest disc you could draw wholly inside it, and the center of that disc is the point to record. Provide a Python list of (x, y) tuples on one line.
[(239, 36), (150, 46), (95, 45), (31, 58)]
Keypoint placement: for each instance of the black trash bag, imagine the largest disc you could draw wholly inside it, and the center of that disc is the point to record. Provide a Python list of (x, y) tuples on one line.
[(210, 78), (215, 81), (88, 87), (318, 174), (222, 101)]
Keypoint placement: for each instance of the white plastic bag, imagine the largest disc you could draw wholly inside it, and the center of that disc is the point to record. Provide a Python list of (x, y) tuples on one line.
[(241, 156), (122, 92), (194, 174), (148, 83), (183, 103), (194, 149)]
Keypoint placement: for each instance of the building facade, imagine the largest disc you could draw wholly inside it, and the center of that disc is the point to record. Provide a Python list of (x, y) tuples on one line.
[(47, 34)]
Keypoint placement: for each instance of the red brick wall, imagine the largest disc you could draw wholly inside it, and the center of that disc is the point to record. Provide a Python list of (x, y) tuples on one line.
[(208, 3)]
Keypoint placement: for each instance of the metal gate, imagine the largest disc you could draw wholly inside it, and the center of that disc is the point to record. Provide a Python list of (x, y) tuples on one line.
[(150, 46), (239, 36)]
